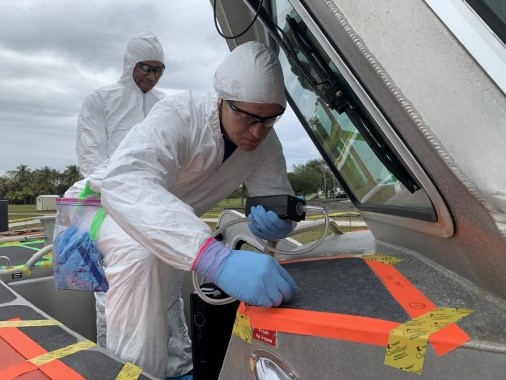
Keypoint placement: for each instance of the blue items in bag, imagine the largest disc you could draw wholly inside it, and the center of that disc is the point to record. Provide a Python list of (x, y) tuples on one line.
[(77, 263)]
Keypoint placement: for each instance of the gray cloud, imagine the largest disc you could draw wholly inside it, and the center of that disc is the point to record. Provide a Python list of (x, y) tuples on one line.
[(53, 53)]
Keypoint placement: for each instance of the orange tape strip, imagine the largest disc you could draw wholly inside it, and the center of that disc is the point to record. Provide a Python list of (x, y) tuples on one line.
[(25, 346), (17, 370), (56, 369), (415, 304), (20, 342), (356, 328), (313, 323), (8, 356)]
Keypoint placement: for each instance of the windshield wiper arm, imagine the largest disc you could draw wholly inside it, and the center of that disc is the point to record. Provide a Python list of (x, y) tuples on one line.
[(334, 95)]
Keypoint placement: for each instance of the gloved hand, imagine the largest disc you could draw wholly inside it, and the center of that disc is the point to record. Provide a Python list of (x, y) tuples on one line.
[(251, 277), (267, 224)]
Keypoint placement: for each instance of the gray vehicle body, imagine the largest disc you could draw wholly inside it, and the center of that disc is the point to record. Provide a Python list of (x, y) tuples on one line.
[(429, 76)]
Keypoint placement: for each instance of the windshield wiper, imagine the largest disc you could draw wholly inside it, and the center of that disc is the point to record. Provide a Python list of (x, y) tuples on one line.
[(331, 90), (333, 93)]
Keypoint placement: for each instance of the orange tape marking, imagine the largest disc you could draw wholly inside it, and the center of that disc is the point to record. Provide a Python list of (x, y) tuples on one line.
[(315, 323), (415, 304), (27, 349), (355, 328)]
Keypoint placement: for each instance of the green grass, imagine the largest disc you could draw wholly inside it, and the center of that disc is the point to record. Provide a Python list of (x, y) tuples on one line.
[(23, 209), (20, 212), (27, 210), (309, 236), (229, 203)]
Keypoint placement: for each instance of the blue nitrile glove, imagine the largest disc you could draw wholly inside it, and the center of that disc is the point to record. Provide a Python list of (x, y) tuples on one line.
[(267, 224), (77, 265), (254, 278)]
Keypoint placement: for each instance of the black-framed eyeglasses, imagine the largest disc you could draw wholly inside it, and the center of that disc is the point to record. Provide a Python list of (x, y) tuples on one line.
[(157, 71), (249, 119)]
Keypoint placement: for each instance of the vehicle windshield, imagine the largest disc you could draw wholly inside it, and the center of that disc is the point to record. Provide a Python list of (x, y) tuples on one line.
[(343, 131)]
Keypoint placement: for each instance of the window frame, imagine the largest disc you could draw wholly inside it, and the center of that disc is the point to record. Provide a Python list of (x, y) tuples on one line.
[(443, 226)]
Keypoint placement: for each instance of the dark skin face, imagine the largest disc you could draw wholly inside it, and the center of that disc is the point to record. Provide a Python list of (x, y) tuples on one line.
[(238, 128), (146, 81)]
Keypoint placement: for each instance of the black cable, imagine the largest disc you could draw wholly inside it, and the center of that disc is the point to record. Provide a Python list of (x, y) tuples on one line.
[(244, 31)]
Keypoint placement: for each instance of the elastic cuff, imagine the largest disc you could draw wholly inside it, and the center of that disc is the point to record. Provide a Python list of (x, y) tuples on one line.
[(201, 251)]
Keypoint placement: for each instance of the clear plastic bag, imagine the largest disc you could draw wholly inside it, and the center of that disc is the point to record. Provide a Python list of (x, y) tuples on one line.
[(77, 264)]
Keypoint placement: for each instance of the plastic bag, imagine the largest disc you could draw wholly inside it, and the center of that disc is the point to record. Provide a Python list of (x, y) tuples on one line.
[(77, 264)]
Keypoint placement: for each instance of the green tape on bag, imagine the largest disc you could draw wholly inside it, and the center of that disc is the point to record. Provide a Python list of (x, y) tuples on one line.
[(96, 223), (87, 192), (99, 216)]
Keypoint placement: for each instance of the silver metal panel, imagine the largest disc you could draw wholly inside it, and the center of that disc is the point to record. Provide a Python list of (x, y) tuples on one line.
[(475, 35), (451, 94), (449, 113), (327, 359), (242, 16), (484, 356), (75, 309), (451, 116)]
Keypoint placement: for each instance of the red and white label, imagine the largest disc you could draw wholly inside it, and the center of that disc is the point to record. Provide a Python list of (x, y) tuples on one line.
[(266, 336)]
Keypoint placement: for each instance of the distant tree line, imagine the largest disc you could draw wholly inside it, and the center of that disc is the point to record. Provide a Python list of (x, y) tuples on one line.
[(23, 185), (313, 178)]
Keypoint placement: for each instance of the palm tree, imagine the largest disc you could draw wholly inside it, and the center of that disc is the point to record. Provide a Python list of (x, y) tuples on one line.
[(44, 180), (20, 191), (21, 176), (22, 185), (5, 186), (70, 176)]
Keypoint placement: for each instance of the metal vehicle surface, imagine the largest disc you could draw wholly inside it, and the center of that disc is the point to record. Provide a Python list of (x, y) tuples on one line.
[(46, 333), (405, 101)]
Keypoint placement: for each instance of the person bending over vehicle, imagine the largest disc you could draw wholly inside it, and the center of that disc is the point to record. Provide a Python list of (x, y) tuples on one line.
[(189, 153)]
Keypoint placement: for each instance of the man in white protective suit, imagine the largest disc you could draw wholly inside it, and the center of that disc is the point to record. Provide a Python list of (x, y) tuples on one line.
[(189, 153), (106, 117), (110, 112)]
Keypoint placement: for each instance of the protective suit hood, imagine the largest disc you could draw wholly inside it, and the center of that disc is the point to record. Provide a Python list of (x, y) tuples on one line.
[(144, 46), (251, 73)]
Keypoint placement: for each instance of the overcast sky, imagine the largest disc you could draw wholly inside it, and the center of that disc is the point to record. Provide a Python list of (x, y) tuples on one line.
[(53, 53)]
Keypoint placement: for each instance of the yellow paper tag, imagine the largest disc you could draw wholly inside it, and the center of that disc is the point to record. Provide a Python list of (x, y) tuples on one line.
[(129, 372), (385, 259), (407, 343), (62, 352), (242, 327)]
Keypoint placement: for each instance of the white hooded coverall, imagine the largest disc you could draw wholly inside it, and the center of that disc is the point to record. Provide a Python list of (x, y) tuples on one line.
[(167, 172), (109, 112), (105, 118)]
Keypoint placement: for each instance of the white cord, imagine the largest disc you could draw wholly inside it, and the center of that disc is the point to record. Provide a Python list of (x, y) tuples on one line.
[(196, 284), (308, 248), (38, 255), (227, 300)]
